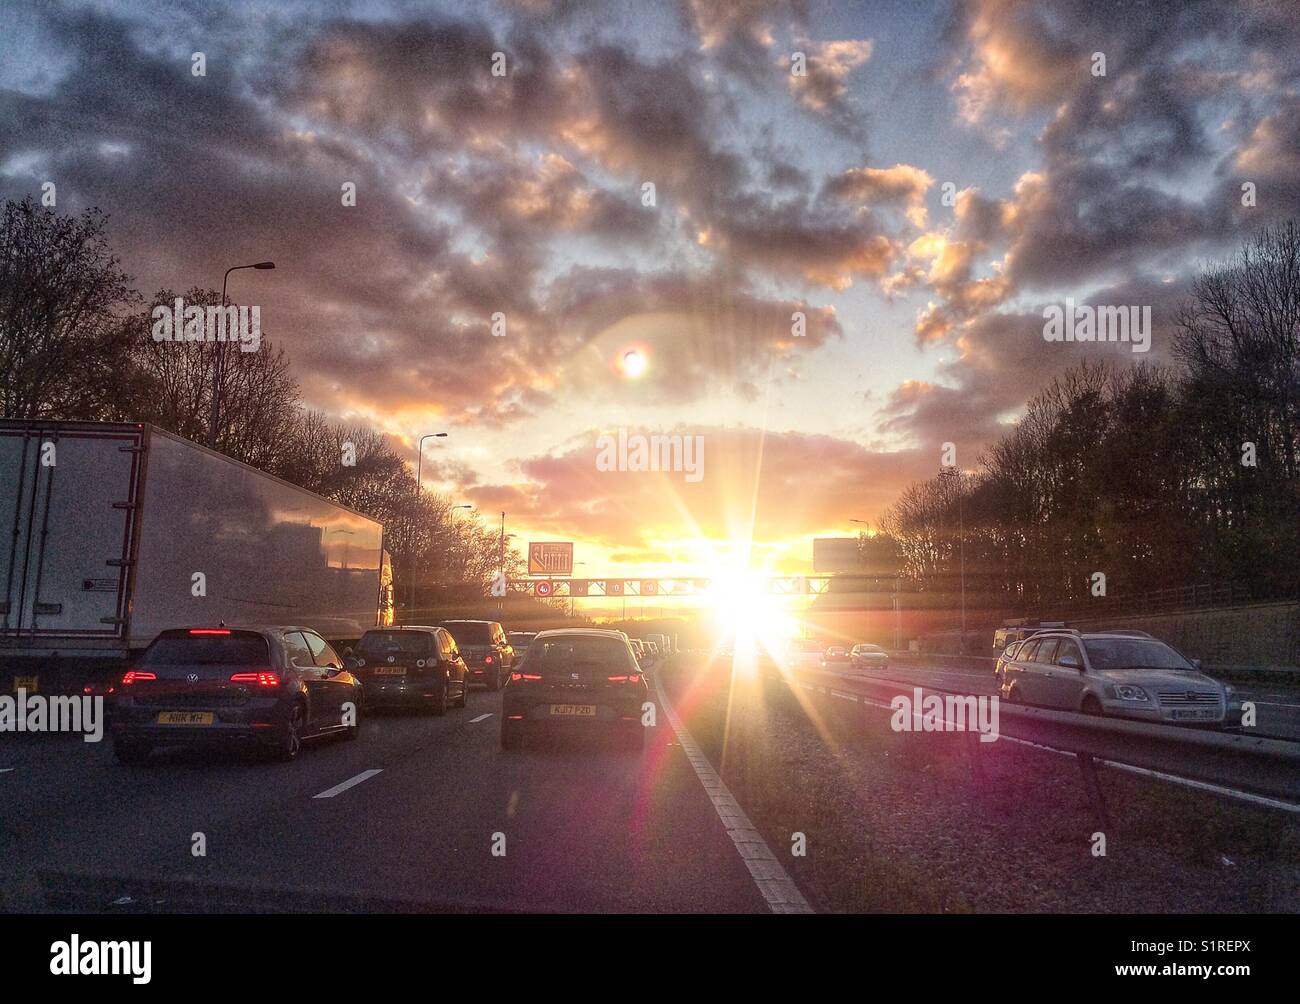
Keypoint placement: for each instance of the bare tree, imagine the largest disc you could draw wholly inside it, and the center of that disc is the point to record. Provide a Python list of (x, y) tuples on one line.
[(62, 300), (259, 396)]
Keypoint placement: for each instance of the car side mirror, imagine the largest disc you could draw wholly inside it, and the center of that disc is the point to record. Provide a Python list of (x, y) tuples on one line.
[(349, 662), (1196, 664), (1071, 662), (347, 651)]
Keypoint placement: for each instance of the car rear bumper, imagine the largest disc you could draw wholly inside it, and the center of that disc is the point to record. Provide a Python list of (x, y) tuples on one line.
[(536, 712), (403, 693), (258, 720)]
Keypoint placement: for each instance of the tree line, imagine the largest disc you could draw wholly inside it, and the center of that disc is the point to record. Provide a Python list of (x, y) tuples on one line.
[(76, 344), (1155, 476)]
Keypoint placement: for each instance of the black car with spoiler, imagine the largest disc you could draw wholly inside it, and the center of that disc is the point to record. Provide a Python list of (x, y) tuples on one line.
[(576, 680)]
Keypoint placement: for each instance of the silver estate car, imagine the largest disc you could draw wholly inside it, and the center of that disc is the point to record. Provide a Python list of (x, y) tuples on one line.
[(1124, 673), (864, 656)]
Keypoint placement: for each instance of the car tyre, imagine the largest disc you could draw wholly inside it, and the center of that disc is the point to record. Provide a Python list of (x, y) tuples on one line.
[(464, 694), (290, 744), (439, 706), (132, 752), (494, 683), (1091, 706)]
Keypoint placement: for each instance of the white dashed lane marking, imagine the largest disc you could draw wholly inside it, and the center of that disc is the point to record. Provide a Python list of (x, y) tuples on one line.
[(351, 782), (480, 718)]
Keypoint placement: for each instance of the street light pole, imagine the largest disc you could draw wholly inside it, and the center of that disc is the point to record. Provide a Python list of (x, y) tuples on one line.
[(501, 563), (961, 548), (419, 470), (219, 354)]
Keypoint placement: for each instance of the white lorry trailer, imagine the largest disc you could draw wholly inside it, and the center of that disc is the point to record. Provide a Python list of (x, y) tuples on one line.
[(111, 532)]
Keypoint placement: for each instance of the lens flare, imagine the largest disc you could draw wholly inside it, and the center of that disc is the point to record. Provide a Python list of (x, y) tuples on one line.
[(634, 363)]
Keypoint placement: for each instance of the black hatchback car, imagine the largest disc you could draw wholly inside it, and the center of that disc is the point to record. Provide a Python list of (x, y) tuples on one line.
[(411, 667), (576, 679), (487, 652), (271, 687)]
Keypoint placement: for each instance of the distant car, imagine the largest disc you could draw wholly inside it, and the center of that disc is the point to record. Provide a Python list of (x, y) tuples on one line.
[(487, 652), (654, 650), (866, 656), (519, 641), (271, 687), (575, 679), (639, 650), (1019, 630), (835, 655), (1128, 674), (1007, 654), (411, 667), (804, 654)]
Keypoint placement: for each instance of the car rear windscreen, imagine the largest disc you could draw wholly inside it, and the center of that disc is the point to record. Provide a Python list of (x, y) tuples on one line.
[(470, 633), (237, 649), (380, 643), (576, 650)]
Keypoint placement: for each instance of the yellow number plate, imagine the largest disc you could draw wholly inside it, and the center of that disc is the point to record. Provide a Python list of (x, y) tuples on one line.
[(574, 710), (390, 671), (185, 718)]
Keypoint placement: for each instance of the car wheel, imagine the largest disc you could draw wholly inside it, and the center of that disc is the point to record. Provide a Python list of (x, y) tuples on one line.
[(1091, 706), (512, 738), (132, 752), (494, 683), (290, 744), (354, 730), (464, 694), (439, 705), (1014, 695)]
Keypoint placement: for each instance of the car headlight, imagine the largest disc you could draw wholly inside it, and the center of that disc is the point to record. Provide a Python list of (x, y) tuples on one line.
[(1128, 693)]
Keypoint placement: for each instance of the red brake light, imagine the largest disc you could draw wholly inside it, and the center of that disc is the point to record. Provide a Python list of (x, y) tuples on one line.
[(517, 677), (487, 659), (135, 676), (263, 678), (631, 678), (209, 631)]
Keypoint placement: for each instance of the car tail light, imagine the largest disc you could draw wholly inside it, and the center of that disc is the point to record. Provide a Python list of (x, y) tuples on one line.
[(135, 676), (633, 678), (263, 678), (209, 631), (487, 659), (518, 677)]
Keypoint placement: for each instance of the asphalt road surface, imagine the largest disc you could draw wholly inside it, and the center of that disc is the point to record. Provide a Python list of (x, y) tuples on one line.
[(406, 817)]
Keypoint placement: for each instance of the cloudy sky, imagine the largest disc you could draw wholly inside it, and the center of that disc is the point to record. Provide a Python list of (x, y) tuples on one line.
[(775, 192)]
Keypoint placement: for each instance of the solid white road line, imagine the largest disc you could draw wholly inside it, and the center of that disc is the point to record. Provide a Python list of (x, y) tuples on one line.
[(338, 789), (782, 895), (480, 718)]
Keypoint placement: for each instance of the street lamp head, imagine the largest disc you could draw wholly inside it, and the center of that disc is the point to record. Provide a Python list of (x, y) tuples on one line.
[(265, 264)]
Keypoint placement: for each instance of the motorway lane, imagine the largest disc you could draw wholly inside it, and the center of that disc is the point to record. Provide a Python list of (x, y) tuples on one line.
[(1277, 709), (585, 827)]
